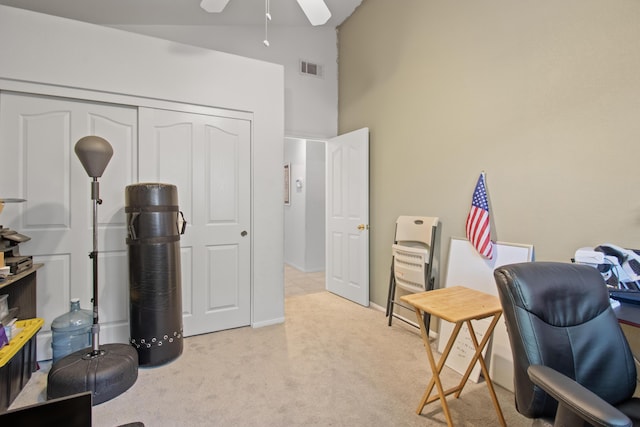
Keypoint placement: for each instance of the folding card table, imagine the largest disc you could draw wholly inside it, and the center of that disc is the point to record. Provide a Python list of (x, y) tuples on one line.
[(458, 305)]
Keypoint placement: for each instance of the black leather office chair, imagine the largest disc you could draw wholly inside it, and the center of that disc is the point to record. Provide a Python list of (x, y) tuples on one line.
[(69, 411), (572, 363)]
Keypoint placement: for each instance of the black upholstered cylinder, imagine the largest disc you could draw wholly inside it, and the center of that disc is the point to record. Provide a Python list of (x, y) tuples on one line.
[(153, 242)]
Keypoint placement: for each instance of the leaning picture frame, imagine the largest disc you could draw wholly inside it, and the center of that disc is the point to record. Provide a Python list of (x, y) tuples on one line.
[(287, 183), (468, 268)]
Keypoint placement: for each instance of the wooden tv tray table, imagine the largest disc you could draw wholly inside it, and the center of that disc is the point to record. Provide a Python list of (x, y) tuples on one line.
[(458, 305)]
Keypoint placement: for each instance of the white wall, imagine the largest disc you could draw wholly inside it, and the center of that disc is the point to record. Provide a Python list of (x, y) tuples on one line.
[(305, 216), (311, 103), (544, 96), (311, 110), (314, 188), (295, 213), (63, 54)]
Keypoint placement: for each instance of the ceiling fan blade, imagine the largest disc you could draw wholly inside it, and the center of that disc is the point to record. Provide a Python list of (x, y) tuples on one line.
[(316, 10), (214, 6)]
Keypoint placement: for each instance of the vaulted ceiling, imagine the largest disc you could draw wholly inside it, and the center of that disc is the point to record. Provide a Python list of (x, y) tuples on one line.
[(183, 12)]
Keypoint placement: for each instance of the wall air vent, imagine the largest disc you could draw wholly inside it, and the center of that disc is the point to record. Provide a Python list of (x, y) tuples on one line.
[(310, 68)]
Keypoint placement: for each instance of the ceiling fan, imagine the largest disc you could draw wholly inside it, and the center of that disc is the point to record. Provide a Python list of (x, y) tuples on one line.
[(316, 10)]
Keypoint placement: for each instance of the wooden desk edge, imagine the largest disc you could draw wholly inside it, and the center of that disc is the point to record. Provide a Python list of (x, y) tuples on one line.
[(15, 277)]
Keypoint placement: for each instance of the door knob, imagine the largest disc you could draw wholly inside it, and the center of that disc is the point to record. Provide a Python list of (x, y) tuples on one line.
[(244, 233), (363, 227)]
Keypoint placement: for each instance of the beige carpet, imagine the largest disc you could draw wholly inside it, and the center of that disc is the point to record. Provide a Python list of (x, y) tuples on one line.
[(332, 363)]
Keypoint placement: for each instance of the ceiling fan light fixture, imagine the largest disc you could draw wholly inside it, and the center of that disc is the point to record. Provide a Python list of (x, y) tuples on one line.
[(214, 6), (316, 10), (267, 18)]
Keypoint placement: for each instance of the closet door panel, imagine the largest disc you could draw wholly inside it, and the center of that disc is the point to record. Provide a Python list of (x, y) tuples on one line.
[(208, 159), (167, 156), (41, 132), (45, 167), (222, 163)]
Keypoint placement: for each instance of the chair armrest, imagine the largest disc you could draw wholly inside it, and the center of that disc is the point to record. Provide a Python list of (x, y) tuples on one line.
[(575, 401)]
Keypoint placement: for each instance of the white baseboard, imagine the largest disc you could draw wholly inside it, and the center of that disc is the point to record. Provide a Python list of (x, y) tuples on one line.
[(269, 322)]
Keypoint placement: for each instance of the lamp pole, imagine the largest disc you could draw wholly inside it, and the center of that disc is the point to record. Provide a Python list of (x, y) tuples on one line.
[(95, 328), (94, 154)]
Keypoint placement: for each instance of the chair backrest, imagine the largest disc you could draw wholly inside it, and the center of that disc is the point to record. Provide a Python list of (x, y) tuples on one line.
[(417, 229), (413, 252), (559, 315)]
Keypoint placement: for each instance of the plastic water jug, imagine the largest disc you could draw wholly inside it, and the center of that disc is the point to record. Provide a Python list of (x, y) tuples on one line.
[(71, 331)]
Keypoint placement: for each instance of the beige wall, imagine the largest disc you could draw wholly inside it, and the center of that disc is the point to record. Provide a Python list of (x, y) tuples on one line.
[(544, 96)]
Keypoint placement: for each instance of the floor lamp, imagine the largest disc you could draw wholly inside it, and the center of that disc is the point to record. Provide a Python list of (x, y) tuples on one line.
[(107, 370)]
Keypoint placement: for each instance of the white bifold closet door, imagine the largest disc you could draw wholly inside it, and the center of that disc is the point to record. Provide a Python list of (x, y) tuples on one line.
[(41, 133), (208, 158)]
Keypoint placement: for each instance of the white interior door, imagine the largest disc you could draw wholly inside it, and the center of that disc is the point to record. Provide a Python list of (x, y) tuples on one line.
[(41, 133), (208, 159), (347, 205)]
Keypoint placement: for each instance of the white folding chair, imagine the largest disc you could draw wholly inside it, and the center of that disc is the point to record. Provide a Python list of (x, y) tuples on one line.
[(412, 261)]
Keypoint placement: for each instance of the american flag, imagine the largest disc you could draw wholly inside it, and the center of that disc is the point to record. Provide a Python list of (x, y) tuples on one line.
[(478, 228)]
